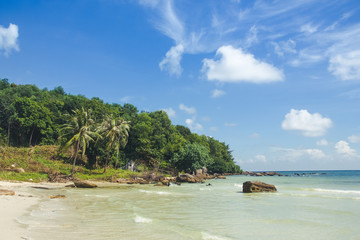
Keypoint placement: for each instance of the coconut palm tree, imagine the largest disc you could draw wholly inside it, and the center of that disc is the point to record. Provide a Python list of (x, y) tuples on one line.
[(115, 131), (78, 132)]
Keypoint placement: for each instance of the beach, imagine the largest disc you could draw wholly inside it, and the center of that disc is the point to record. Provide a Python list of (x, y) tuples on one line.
[(14, 206), (310, 205)]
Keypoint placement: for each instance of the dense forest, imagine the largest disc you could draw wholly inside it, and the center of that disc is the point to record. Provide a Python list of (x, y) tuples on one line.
[(101, 134)]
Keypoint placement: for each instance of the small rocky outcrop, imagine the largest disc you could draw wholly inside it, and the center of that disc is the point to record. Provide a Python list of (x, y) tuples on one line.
[(256, 186), (7, 192), (84, 184), (188, 178)]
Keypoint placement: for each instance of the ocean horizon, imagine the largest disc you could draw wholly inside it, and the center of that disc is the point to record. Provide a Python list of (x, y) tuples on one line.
[(323, 206)]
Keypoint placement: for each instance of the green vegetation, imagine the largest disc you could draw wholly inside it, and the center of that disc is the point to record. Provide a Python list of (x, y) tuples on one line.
[(95, 134)]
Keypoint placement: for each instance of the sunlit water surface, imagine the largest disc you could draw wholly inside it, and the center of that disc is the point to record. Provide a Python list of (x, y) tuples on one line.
[(313, 206)]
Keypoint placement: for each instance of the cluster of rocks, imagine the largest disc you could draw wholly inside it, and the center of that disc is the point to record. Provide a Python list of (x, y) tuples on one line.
[(260, 174)]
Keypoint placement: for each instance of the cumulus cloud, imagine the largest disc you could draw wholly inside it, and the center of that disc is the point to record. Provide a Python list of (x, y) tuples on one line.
[(217, 93), (172, 59), (193, 125), (170, 112), (234, 65), (322, 142), (354, 138), (342, 147), (346, 65), (189, 110), (8, 38), (311, 125)]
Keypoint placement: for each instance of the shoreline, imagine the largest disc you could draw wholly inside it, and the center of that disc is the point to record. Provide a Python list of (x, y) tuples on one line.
[(12, 207)]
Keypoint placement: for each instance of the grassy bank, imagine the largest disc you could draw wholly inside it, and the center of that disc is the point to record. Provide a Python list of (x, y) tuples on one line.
[(40, 162)]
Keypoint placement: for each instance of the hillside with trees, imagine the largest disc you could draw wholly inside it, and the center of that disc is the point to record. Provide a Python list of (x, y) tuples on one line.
[(102, 135)]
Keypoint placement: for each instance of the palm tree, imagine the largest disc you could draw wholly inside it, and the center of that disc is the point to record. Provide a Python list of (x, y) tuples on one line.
[(116, 132), (78, 132)]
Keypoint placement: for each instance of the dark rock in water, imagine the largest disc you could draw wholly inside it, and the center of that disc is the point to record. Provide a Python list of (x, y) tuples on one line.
[(256, 186), (70, 185), (39, 187), (84, 184)]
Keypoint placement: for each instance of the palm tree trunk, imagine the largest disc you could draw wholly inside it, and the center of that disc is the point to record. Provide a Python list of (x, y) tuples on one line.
[(8, 140), (32, 132), (76, 153), (106, 162)]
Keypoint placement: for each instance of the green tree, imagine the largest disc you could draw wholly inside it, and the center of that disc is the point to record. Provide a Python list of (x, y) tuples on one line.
[(191, 157), (115, 131), (78, 132)]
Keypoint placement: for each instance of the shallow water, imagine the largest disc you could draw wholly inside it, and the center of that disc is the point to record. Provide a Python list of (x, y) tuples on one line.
[(310, 206)]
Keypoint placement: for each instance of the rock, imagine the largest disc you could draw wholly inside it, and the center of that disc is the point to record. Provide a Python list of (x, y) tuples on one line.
[(7, 192), (256, 186), (70, 185), (221, 177), (198, 172), (19, 170), (84, 184), (204, 170), (166, 182), (57, 196), (186, 178)]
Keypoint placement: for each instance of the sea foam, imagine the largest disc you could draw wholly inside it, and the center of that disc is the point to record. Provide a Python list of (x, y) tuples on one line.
[(208, 236), (336, 191), (139, 219)]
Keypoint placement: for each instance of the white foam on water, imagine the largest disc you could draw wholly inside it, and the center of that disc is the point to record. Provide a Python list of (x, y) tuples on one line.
[(154, 192), (336, 191), (238, 185), (208, 236), (206, 189), (139, 219)]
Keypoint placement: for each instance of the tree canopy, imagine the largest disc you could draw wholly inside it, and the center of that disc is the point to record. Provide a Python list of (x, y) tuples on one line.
[(31, 116)]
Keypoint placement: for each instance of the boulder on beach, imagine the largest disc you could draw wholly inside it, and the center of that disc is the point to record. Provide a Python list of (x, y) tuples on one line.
[(256, 186), (188, 178), (84, 184), (221, 177)]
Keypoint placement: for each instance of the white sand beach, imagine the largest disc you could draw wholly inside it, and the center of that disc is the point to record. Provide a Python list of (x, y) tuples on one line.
[(12, 207)]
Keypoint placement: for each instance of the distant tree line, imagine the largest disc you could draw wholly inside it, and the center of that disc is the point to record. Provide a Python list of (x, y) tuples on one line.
[(104, 134)]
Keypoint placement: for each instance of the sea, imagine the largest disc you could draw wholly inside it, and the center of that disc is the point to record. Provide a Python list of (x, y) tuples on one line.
[(307, 205)]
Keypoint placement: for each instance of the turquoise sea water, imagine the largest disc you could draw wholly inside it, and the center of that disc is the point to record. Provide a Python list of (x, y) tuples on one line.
[(309, 206)]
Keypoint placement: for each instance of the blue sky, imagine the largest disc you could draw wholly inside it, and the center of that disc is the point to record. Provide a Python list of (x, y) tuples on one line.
[(279, 81)]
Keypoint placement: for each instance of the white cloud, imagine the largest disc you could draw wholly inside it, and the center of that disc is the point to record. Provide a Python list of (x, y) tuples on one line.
[(322, 142), (189, 110), (126, 99), (283, 47), (236, 66), (217, 93), (251, 37), (311, 125), (171, 61), (342, 147), (170, 112), (291, 154), (308, 28), (193, 125), (8, 38), (346, 65), (354, 138), (230, 124)]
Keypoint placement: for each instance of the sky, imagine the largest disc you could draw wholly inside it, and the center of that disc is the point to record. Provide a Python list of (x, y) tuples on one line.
[(279, 81)]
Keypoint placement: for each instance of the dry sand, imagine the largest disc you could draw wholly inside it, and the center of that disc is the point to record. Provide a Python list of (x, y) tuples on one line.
[(13, 207)]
